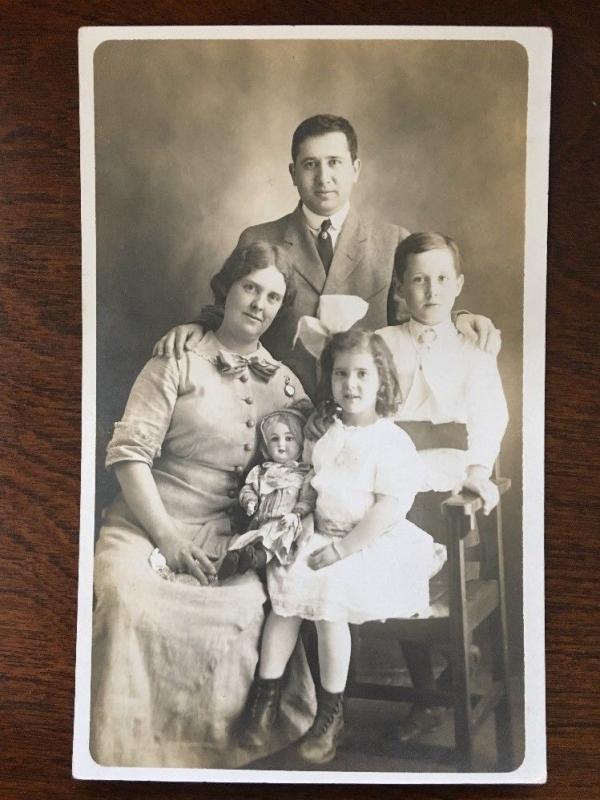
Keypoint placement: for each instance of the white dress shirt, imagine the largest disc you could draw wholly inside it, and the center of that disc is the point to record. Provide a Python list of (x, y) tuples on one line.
[(449, 379), (314, 221)]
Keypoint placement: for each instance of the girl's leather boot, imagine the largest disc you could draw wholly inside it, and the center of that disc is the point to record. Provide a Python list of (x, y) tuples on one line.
[(260, 713), (319, 743)]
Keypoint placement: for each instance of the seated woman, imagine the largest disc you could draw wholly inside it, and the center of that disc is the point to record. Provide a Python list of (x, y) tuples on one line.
[(173, 661)]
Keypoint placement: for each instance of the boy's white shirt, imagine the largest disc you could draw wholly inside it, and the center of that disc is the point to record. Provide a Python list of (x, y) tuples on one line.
[(450, 380)]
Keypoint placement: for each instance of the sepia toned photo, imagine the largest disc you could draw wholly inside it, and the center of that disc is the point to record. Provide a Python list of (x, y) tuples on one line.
[(312, 450)]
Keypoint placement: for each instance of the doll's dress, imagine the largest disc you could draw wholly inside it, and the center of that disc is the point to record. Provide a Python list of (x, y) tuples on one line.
[(278, 487), (390, 576)]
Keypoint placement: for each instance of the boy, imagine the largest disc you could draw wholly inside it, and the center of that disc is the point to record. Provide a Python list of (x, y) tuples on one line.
[(453, 407), (446, 382)]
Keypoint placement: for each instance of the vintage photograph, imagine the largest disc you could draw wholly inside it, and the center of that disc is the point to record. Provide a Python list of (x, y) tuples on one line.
[(312, 451)]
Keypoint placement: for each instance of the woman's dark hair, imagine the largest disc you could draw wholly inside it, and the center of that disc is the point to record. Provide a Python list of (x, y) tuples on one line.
[(388, 396), (319, 126), (244, 260), (422, 243)]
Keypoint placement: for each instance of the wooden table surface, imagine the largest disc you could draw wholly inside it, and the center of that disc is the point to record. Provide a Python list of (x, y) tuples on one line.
[(40, 327)]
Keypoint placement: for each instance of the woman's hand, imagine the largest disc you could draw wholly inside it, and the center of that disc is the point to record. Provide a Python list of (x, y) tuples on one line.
[(177, 340), (185, 556), (481, 331), (323, 557)]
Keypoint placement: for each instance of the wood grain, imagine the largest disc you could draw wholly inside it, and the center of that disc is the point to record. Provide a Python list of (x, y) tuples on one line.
[(40, 379)]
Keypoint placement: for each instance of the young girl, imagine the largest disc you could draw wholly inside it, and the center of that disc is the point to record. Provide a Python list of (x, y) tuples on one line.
[(364, 561), (277, 494)]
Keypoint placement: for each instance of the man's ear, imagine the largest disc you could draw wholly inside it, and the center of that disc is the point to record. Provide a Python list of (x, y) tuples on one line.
[(357, 166), (292, 170)]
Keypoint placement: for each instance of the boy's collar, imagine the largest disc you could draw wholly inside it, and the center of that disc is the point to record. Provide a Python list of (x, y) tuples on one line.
[(443, 329)]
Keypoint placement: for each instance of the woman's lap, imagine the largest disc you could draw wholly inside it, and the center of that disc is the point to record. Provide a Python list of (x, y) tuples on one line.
[(172, 663)]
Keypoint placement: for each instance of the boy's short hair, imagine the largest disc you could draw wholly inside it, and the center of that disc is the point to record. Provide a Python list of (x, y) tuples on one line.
[(321, 124), (388, 396), (422, 243), (244, 260)]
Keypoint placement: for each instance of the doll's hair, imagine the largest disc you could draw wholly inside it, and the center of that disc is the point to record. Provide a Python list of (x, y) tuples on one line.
[(244, 260), (388, 396), (421, 243), (290, 417)]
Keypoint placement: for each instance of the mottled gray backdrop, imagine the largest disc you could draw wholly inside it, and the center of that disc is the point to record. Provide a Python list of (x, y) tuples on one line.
[(192, 146)]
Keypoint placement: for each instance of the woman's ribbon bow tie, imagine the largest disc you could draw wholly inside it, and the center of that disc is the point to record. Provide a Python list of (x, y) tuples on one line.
[(233, 364)]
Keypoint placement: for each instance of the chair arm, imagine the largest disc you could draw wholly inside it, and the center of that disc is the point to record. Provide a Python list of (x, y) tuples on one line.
[(468, 503)]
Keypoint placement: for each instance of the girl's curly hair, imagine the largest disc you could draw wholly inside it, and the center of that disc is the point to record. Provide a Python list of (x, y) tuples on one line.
[(388, 396)]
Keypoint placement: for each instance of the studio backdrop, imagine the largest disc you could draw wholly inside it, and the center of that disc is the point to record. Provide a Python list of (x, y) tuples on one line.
[(193, 145)]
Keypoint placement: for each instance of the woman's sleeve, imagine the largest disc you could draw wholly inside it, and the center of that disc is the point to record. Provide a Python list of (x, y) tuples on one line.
[(399, 471), (139, 435)]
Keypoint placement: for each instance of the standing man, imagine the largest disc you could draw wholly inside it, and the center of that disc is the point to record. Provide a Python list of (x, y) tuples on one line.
[(333, 248)]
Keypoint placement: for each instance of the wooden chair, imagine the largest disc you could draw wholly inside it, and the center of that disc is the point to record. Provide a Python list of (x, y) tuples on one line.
[(461, 607)]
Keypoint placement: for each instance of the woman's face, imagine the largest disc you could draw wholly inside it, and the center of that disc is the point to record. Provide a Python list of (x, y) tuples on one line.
[(252, 303)]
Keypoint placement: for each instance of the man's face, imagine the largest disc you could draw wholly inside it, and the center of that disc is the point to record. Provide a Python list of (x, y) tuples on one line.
[(431, 285), (324, 172)]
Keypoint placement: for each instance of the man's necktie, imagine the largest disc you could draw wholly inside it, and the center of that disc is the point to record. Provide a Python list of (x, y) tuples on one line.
[(325, 244), (427, 337)]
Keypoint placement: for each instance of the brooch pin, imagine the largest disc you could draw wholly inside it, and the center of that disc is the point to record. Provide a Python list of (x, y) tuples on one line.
[(288, 388)]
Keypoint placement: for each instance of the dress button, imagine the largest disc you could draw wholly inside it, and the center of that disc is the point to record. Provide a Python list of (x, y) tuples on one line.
[(232, 494), (244, 377), (248, 447), (238, 470), (248, 400), (250, 423)]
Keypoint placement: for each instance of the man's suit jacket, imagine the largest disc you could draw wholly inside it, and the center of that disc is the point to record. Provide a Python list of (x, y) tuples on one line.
[(362, 265)]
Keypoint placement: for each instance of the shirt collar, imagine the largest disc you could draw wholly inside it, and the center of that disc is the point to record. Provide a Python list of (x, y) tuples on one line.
[(444, 330), (337, 220), (210, 346)]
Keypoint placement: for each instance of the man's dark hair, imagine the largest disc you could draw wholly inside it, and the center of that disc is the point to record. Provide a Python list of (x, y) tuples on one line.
[(320, 125)]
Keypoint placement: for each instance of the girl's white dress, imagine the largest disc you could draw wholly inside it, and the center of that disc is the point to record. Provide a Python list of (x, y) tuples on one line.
[(389, 577)]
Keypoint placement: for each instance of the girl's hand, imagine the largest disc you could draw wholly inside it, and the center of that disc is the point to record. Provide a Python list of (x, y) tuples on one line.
[(184, 556), (250, 507), (323, 557)]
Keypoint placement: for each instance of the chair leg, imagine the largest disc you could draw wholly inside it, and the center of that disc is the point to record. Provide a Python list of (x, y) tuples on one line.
[(463, 739), (503, 711)]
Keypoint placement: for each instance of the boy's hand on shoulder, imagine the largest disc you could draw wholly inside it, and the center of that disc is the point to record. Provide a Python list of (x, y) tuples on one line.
[(478, 482), (177, 340), (481, 331)]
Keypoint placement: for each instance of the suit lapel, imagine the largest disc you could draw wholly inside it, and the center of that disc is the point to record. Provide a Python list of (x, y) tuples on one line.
[(347, 255), (303, 251)]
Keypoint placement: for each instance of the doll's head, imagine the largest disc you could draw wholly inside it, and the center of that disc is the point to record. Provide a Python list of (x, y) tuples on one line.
[(282, 436)]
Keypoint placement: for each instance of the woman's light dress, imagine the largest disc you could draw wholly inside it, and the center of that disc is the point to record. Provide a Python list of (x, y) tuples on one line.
[(173, 663), (390, 576)]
